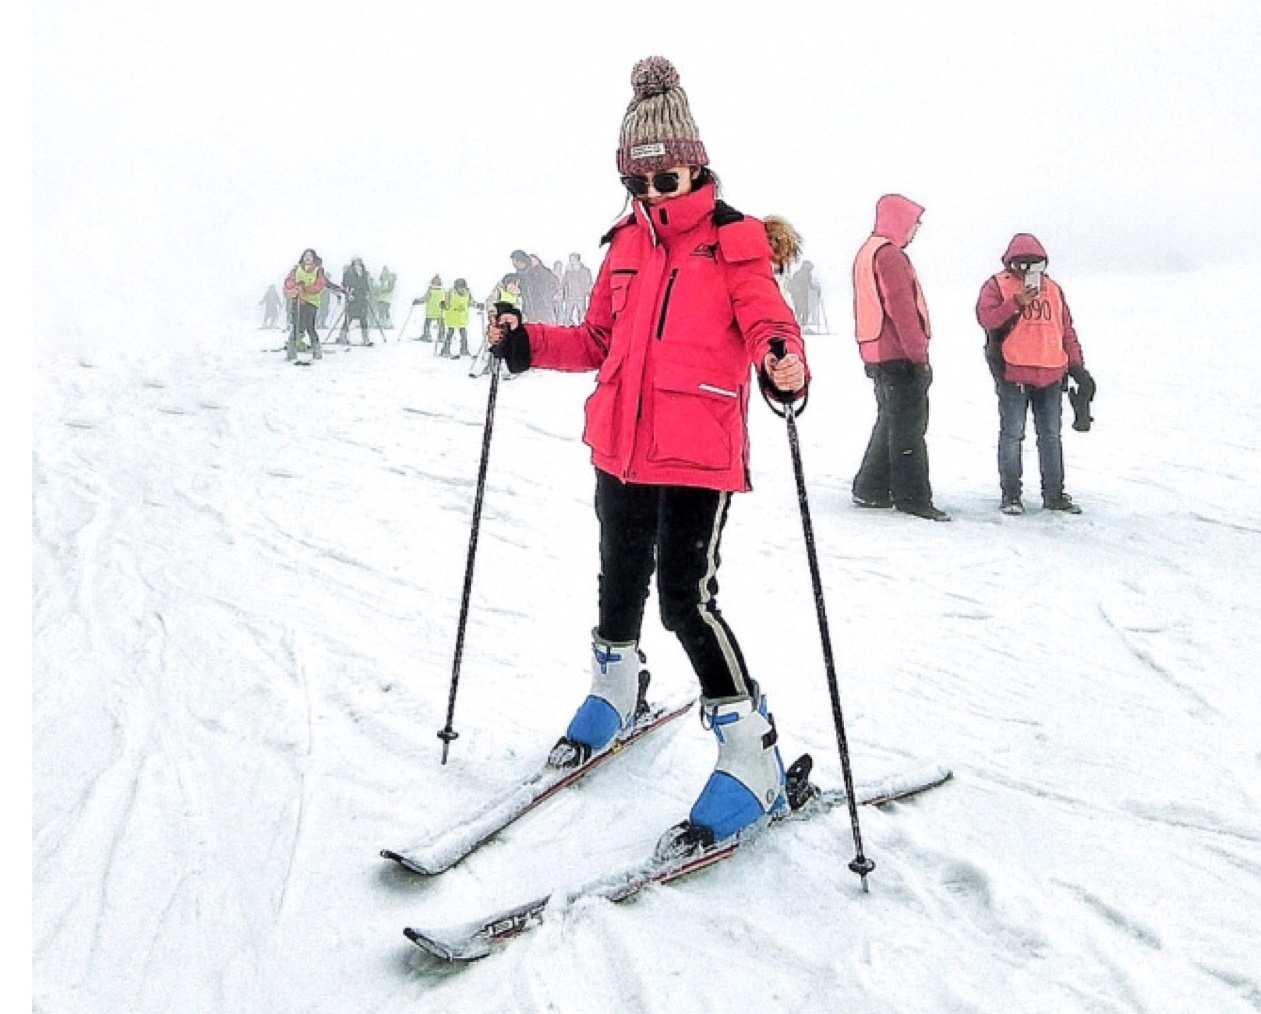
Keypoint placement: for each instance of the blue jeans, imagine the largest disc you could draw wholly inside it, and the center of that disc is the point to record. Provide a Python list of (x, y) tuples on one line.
[(1014, 403)]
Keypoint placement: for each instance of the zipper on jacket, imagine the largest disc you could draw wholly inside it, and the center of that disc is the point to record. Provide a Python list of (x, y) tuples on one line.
[(665, 303)]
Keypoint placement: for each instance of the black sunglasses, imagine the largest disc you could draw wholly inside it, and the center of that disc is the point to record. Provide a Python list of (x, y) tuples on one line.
[(663, 183)]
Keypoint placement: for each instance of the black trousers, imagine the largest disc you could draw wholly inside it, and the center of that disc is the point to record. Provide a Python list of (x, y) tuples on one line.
[(895, 466), (306, 321), (357, 312), (676, 531)]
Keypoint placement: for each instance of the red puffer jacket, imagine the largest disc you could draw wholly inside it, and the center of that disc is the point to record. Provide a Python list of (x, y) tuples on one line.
[(682, 311)]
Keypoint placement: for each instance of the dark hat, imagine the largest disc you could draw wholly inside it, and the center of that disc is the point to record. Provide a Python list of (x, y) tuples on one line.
[(658, 131)]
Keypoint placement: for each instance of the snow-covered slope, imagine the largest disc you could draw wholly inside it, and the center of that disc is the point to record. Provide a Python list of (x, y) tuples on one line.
[(246, 585)]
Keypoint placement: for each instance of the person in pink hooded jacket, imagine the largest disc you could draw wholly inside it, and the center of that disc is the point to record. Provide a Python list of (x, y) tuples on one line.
[(1031, 345), (684, 310), (892, 328)]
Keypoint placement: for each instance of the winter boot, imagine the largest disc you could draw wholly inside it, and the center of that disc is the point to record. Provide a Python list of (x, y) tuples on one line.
[(1061, 502), (748, 782), (617, 694)]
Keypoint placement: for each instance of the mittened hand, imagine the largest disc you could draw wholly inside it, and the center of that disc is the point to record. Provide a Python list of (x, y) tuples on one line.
[(1083, 379)]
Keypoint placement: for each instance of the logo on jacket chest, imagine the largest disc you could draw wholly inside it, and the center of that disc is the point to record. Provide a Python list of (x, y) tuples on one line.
[(709, 250)]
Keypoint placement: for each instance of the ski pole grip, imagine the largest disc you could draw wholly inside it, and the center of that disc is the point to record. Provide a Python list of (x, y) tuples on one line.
[(779, 348)]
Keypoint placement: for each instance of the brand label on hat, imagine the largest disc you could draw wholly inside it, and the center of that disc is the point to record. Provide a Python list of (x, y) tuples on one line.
[(647, 150)]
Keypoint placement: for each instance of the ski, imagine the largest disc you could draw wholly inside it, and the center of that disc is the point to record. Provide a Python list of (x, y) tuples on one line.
[(437, 854), (473, 940)]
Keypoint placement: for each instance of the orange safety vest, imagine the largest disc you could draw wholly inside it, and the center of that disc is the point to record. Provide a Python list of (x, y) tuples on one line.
[(868, 310), (1037, 339)]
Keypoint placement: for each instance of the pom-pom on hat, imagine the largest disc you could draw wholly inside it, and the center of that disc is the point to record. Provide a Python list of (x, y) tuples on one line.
[(658, 131)]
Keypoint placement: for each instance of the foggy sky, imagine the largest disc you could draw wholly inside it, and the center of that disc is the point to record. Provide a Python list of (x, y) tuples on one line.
[(189, 153)]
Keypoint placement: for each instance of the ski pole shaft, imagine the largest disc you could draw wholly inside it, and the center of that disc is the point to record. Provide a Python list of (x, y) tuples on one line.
[(376, 320), (860, 864), (448, 733)]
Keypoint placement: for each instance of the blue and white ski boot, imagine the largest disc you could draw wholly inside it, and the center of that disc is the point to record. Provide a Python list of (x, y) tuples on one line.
[(748, 782), (618, 686)]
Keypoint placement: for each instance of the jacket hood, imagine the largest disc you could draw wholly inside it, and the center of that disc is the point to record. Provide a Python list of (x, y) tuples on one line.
[(896, 217), (1024, 244)]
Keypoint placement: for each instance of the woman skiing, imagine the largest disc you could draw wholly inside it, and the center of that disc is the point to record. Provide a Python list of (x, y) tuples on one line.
[(303, 289), (684, 306)]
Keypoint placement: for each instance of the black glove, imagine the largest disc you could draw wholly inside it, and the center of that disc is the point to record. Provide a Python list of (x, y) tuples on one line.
[(1083, 378), (514, 349), (1080, 396)]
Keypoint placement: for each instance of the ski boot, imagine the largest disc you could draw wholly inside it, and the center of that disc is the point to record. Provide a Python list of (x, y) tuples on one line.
[(748, 783), (618, 688)]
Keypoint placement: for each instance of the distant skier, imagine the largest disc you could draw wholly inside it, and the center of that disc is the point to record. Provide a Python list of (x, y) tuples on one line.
[(538, 287), (385, 296), (455, 317), (804, 288), (357, 284), (434, 298), (892, 328), (303, 287), (575, 286), (1030, 346), (683, 313), (272, 305)]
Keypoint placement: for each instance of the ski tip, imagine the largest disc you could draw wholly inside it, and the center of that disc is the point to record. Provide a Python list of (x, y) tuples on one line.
[(408, 863), (428, 945), (444, 951)]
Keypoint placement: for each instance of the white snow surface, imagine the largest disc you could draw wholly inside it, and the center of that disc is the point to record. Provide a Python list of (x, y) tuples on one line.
[(247, 579)]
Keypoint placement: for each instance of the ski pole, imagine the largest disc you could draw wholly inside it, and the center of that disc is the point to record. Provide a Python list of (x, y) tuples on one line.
[(860, 864), (336, 320), (373, 314), (447, 733), (402, 331), (293, 328)]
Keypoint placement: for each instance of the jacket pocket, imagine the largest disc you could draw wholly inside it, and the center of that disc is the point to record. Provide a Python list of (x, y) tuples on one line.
[(602, 409), (698, 420), (620, 280)]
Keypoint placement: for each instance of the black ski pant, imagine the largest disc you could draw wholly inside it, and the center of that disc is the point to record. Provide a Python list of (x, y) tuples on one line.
[(356, 312), (306, 322), (895, 466), (676, 531), (445, 348)]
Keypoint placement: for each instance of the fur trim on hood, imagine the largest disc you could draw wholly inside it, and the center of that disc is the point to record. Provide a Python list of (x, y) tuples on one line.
[(785, 241)]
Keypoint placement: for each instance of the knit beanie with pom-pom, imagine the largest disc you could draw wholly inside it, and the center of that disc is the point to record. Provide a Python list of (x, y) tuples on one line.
[(658, 131)]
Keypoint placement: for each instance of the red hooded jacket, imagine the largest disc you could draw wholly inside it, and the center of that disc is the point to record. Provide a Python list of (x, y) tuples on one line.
[(904, 329), (998, 312), (682, 308)]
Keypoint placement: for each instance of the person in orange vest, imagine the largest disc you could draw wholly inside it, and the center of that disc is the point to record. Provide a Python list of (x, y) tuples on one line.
[(1031, 346), (892, 328)]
